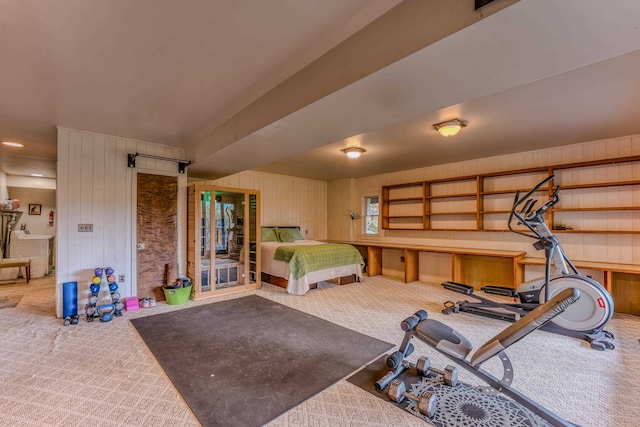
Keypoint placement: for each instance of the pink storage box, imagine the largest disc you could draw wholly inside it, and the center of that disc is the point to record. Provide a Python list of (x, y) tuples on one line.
[(131, 303)]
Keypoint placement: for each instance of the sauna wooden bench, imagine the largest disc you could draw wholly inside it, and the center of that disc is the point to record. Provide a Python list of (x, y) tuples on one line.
[(26, 263), (511, 274)]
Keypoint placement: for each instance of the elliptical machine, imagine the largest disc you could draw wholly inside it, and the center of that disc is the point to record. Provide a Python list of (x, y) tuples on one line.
[(585, 319)]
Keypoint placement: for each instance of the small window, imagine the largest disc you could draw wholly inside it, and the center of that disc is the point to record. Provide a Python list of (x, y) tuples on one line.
[(372, 215)]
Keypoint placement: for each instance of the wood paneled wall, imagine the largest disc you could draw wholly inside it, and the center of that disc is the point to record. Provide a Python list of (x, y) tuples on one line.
[(617, 248), (285, 200), (341, 207), (95, 186)]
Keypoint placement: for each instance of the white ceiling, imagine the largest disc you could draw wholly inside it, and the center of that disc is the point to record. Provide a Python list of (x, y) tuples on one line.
[(214, 77)]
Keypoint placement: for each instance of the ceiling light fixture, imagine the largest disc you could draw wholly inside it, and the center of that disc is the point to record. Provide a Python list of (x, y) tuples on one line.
[(12, 144), (37, 175), (449, 127), (353, 152)]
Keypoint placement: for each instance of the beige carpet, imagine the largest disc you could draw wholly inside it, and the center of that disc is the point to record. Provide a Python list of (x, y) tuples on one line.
[(102, 374)]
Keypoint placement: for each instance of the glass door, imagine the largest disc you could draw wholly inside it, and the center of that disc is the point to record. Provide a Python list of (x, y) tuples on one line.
[(229, 230), (223, 248)]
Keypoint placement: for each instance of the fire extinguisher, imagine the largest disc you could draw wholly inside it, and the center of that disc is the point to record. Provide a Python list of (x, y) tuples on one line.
[(51, 219)]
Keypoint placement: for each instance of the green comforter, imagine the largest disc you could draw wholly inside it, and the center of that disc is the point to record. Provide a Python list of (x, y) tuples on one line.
[(304, 259)]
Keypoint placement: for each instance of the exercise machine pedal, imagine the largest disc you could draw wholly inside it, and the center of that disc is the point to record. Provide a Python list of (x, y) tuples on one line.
[(500, 290), (458, 287)]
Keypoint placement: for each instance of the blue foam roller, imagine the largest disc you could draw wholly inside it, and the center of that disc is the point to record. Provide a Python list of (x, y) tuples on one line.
[(69, 299)]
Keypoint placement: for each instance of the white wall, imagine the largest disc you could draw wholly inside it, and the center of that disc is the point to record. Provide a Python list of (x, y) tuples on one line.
[(36, 224), (3, 187), (31, 182), (95, 186), (616, 248)]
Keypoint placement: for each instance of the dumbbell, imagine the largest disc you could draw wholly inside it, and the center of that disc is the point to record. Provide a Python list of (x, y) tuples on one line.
[(450, 373), (94, 288), (427, 404), (119, 306), (71, 320), (90, 311)]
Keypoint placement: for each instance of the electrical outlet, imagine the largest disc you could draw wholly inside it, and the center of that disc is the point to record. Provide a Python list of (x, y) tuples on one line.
[(85, 228), (121, 278), (401, 259)]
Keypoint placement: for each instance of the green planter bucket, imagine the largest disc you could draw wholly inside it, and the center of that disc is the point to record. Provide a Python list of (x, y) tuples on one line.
[(177, 296)]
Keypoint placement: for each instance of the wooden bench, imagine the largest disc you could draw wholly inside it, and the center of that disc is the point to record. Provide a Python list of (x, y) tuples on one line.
[(468, 265), (622, 281), (13, 263)]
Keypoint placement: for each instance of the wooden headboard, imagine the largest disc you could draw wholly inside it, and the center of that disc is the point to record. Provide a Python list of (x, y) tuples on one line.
[(295, 227)]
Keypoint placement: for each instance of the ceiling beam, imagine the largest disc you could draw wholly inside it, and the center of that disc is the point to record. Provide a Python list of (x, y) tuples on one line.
[(405, 29)]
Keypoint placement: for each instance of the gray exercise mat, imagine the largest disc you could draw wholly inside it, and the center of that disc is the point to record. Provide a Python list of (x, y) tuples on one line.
[(245, 361)]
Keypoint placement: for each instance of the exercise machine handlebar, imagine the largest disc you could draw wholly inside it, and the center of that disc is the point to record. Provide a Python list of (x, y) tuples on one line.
[(523, 211)]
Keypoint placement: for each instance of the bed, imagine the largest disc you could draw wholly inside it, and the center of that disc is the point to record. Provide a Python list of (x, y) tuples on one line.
[(297, 264)]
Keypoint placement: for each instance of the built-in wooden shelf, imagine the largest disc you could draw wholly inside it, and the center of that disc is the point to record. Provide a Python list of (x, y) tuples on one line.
[(451, 196), (426, 205)]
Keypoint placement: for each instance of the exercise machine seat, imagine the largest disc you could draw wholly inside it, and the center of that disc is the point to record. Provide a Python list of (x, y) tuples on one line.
[(527, 324), (443, 338)]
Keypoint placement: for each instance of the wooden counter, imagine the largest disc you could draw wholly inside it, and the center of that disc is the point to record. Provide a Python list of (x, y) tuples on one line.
[(468, 265), (481, 267)]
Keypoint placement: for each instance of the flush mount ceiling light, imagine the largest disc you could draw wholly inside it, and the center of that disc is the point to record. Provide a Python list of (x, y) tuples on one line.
[(449, 127), (12, 144), (353, 152)]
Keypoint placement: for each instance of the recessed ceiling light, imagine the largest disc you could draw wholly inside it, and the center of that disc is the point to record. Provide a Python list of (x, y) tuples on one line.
[(37, 174), (12, 144)]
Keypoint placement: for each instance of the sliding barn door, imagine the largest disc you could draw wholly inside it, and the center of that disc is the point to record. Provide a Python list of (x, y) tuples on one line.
[(157, 233)]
